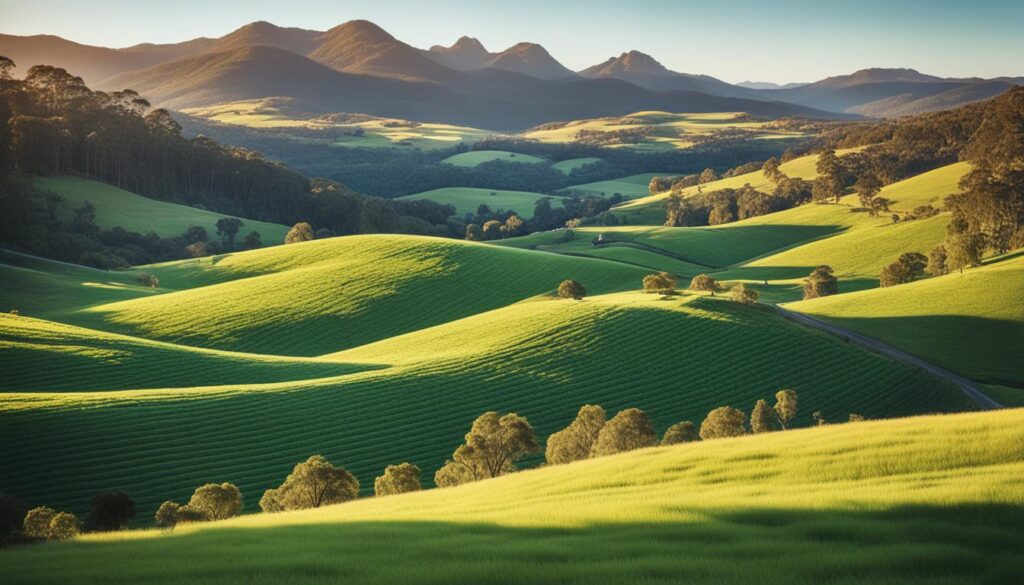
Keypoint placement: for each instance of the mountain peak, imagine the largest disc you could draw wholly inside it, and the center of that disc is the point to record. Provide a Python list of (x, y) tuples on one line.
[(626, 63), (362, 30), (467, 54), (879, 75), (530, 59)]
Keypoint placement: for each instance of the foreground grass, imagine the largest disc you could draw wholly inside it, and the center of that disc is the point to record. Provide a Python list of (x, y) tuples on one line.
[(923, 500), (117, 207)]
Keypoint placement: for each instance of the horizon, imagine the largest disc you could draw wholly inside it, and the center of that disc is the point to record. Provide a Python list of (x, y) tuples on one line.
[(981, 36)]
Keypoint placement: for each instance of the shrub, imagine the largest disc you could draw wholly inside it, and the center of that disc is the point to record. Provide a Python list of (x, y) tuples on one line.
[(575, 442), (682, 432), (820, 283), (167, 515), (300, 232), (110, 511), (64, 525), (147, 279), (856, 418), (663, 283), (398, 479), (37, 522), (628, 430), (741, 293), (723, 422), (570, 289), (703, 282)]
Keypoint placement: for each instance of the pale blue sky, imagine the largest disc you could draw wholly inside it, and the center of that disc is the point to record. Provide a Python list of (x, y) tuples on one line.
[(777, 40)]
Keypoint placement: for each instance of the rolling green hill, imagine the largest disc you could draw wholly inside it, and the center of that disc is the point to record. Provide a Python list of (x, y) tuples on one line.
[(117, 207), (476, 157), (970, 323), (876, 502), (542, 358), (570, 165), (468, 199), (631, 186)]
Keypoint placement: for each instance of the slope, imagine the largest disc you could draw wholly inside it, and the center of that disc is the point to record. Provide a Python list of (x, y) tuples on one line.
[(970, 323), (543, 359), (877, 502), (117, 207), (469, 199)]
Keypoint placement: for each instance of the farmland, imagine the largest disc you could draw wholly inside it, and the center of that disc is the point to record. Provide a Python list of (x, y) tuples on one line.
[(880, 500)]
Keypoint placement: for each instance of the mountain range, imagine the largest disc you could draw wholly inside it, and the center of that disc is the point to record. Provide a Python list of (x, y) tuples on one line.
[(358, 66)]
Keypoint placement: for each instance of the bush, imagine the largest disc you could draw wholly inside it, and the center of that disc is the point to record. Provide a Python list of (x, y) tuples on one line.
[(37, 522), (110, 511), (167, 515), (628, 430), (683, 432), (703, 282), (821, 283), (64, 525), (398, 479), (300, 232), (147, 279), (741, 293), (570, 289), (663, 283), (723, 422)]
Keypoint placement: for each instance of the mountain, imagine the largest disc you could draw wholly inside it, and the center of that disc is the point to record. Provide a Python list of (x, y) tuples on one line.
[(643, 70), (906, 104), (467, 54), (296, 40), (768, 85), (878, 75), (530, 59)]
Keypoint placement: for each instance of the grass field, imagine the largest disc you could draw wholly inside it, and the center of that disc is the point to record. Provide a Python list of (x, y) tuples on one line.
[(284, 115), (117, 207), (477, 157), (468, 199), (631, 186), (970, 323), (921, 500), (570, 165)]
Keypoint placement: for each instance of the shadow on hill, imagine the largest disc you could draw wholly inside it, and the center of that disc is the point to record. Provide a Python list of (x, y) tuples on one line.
[(983, 349), (979, 543)]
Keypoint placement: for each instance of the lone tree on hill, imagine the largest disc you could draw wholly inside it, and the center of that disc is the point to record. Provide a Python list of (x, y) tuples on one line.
[(493, 445), (227, 229), (629, 429), (703, 282), (682, 432), (663, 283), (576, 441), (723, 422), (398, 479), (762, 418), (311, 484), (785, 407), (300, 232), (741, 293), (570, 289), (820, 283), (110, 511), (216, 501)]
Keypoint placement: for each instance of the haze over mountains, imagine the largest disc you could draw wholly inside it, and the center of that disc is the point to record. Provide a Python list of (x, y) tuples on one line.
[(358, 66)]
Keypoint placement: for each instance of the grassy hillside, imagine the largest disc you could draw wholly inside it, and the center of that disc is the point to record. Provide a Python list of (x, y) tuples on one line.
[(476, 157), (877, 502), (468, 199), (327, 295), (677, 358), (117, 207), (44, 356), (631, 186), (568, 166), (970, 323)]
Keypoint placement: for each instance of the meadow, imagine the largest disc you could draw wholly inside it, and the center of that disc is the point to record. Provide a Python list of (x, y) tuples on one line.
[(468, 199), (117, 207), (630, 186), (473, 158), (932, 499)]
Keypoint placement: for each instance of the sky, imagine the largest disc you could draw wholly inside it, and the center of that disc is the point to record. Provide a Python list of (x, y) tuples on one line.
[(769, 40)]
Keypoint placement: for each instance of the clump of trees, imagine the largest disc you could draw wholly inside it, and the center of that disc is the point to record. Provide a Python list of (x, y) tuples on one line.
[(48, 524), (821, 283), (313, 483), (628, 430), (661, 283), (681, 432), (704, 283), (906, 268), (208, 503), (491, 448), (398, 479), (570, 289), (743, 294), (576, 441)]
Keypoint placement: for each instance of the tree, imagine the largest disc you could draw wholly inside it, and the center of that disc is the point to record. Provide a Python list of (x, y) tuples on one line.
[(513, 226), (492, 230), (785, 407), (311, 484), (771, 169), (251, 241), (196, 233), (830, 183), (663, 283), (576, 441), (907, 267), (492, 447), (167, 515), (300, 232), (147, 279), (937, 261), (629, 429), (820, 283), (216, 501), (868, 185), (963, 251), (12, 514), (856, 417), (37, 522), (64, 525), (227, 229), (6, 66), (682, 432), (703, 282), (723, 422), (398, 479), (195, 250), (474, 233), (762, 418), (741, 293), (819, 418), (570, 289), (708, 176), (110, 511)]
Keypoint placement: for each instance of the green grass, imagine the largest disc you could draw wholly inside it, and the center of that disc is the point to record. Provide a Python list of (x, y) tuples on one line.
[(468, 199), (570, 165), (970, 323), (630, 186), (477, 157), (326, 295), (117, 207), (922, 500), (677, 358)]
